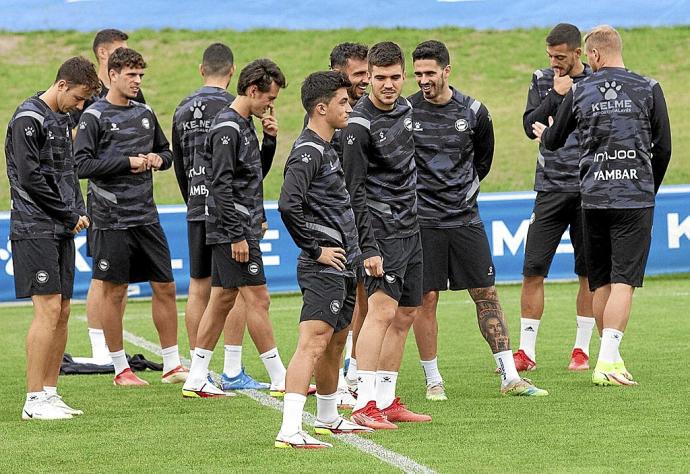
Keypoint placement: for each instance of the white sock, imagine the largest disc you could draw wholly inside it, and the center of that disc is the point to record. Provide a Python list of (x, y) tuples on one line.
[(528, 337), (119, 361), (274, 367), (585, 324), (293, 405), (430, 368), (191, 354), (50, 390), (348, 345), (99, 348), (35, 397), (385, 388), (233, 361), (341, 380), (327, 407), (351, 375), (366, 388), (171, 358), (198, 372), (610, 341), (506, 363)]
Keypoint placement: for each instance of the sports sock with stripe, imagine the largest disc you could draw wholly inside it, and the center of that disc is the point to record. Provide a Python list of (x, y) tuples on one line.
[(274, 367), (528, 337)]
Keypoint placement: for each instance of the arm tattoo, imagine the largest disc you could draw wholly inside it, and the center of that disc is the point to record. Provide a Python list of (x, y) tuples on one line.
[(491, 319)]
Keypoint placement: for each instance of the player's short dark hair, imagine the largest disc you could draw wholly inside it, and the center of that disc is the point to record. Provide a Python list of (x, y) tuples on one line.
[(107, 36), (217, 60), (386, 54), (125, 57), (432, 49), (261, 73), (79, 71), (320, 87), (344, 51), (565, 33)]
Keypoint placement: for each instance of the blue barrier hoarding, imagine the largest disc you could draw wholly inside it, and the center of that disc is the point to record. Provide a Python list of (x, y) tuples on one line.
[(506, 218)]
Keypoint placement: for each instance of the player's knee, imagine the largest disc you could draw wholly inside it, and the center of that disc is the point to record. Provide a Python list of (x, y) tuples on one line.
[(164, 290), (484, 294)]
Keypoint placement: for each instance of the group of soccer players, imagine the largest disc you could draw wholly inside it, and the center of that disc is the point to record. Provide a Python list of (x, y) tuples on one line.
[(379, 193)]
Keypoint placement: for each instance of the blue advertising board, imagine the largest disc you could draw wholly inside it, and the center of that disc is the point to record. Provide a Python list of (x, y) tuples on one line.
[(506, 218)]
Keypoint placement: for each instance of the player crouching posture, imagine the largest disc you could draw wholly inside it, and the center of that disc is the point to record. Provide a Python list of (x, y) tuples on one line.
[(315, 206)]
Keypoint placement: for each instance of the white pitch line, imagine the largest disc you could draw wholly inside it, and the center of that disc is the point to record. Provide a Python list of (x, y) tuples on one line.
[(392, 458)]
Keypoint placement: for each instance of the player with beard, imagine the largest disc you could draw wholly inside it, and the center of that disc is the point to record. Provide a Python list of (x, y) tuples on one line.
[(625, 148), (119, 144), (557, 206), (315, 206), (47, 211), (191, 124), (234, 204), (454, 147), (378, 156)]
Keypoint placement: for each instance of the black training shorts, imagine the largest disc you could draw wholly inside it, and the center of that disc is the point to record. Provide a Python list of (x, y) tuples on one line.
[(43, 267)]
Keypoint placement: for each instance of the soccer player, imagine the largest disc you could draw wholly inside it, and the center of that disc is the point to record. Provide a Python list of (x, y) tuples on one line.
[(233, 221), (557, 206), (454, 147), (191, 123), (315, 207), (104, 43), (625, 148), (119, 144), (378, 156), (47, 210)]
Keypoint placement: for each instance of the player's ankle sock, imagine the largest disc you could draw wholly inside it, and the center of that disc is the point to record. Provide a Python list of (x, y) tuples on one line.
[(171, 358), (366, 388), (327, 407), (233, 360), (274, 367), (351, 375), (198, 372), (293, 405), (385, 388), (506, 364), (528, 336), (341, 380), (191, 354), (348, 345), (610, 341), (585, 324), (431, 373), (50, 390), (119, 361), (99, 349), (619, 359), (34, 397)]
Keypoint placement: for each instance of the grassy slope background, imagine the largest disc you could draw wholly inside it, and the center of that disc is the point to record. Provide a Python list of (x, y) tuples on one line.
[(494, 67)]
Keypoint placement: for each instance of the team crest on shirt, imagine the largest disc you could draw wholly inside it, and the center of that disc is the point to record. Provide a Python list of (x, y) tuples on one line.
[(390, 278), (461, 125), (335, 306), (145, 123), (29, 131), (408, 124), (382, 136), (103, 265), (246, 141), (42, 277), (253, 268), (491, 271), (114, 127), (532, 218), (51, 135)]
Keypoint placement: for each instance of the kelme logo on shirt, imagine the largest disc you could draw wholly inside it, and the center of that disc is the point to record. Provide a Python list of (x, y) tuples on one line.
[(197, 109), (103, 265), (29, 131), (335, 306), (145, 123), (461, 125), (82, 125), (225, 139), (350, 139), (42, 277), (418, 127), (610, 90), (305, 157)]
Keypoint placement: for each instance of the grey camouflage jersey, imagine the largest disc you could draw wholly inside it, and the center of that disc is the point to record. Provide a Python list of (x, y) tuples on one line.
[(454, 147), (45, 196), (191, 123), (235, 200), (107, 136), (625, 141), (380, 171), (315, 205), (556, 171)]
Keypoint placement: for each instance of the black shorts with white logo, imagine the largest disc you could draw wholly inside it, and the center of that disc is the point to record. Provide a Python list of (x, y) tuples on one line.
[(229, 273), (43, 267), (199, 252), (617, 245), (327, 297), (131, 255), (403, 272), (457, 258), (552, 214)]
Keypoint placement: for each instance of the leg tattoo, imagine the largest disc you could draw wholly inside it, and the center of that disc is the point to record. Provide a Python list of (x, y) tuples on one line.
[(490, 318)]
